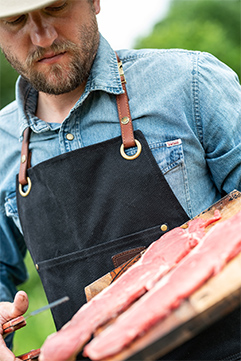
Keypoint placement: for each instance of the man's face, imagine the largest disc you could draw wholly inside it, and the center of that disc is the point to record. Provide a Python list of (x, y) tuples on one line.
[(53, 48)]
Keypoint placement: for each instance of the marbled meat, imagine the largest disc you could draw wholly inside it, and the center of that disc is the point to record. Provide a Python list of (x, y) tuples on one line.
[(221, 244)]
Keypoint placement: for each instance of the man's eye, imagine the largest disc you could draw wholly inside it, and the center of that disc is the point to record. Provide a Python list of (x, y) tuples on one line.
[(15, 21), (56, 7)]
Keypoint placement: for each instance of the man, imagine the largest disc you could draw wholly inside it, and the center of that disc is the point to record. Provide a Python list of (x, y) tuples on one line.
[(90, 189)]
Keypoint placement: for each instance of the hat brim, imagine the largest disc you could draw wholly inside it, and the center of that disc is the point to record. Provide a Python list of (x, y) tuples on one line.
[(16, 7)]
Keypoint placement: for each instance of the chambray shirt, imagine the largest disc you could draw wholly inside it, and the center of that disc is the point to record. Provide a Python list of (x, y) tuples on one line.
[(187, 104)]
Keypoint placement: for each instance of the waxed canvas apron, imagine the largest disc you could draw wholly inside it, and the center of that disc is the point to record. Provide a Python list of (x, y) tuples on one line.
[(90, 204)]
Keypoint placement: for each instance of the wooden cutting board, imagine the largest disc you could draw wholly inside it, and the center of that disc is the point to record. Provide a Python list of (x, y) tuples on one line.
[(216, 298)]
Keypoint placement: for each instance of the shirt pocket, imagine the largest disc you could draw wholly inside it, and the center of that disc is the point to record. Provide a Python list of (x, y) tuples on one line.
[(11, 209), (169, 156)]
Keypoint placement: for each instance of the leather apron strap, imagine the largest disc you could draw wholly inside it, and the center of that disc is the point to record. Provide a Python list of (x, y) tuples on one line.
[(124, 112), (25, 158)]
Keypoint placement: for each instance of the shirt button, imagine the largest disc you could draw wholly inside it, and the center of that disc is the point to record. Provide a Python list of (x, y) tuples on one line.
[(70, 136)]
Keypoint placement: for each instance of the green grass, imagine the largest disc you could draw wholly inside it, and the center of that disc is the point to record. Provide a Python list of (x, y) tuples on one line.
[(32, 336)]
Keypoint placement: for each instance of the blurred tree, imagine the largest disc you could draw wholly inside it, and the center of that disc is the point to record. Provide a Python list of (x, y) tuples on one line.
[(206, 25), (8, 78)]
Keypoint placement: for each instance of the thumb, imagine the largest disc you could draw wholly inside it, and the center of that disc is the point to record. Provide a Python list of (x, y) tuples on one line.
[(20, 304)]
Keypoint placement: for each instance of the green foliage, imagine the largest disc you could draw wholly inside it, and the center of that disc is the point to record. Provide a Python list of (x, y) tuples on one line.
[(38, 327), (206, 25), (8, 78)]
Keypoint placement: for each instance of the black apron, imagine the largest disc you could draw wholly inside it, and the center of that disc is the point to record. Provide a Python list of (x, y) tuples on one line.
[(86, 206)]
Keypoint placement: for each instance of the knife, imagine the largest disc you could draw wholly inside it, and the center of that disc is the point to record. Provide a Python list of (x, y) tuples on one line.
[(19, 322)]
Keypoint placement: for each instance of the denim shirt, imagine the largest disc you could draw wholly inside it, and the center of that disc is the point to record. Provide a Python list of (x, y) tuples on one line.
[(187, 104)]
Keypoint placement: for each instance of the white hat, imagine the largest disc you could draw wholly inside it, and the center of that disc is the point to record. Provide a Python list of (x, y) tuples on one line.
[(16, 7)]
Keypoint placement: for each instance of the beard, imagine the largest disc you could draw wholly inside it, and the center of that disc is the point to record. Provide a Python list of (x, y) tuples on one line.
[(61, 78)]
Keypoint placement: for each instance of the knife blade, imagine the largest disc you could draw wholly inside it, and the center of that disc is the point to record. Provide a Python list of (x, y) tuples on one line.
[(19, 322)]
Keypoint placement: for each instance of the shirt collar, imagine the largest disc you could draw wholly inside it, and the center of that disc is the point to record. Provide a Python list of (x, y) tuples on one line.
[(104, 76), (104, 73)]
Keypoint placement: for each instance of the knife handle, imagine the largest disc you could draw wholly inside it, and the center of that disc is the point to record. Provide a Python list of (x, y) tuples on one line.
[(13, 325), (31, 355)]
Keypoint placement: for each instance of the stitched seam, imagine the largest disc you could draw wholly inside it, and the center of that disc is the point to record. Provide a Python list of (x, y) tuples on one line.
[(120, 115), (196, 91), (159, 52), (129, 115)]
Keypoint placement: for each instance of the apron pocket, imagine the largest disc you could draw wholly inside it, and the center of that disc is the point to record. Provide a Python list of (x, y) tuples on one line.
[(78, 269)]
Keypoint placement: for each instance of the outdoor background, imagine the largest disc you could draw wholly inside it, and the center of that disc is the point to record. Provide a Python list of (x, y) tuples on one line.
[(207, 25)]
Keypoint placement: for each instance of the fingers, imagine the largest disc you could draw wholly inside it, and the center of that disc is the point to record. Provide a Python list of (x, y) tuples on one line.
[(5, 353), (10, 310), (7, 312)]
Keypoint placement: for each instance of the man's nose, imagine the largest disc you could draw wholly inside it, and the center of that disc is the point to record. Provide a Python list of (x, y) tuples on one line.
[(42, 32)]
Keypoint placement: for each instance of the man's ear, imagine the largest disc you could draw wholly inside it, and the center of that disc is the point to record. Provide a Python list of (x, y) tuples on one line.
[(96, 4)]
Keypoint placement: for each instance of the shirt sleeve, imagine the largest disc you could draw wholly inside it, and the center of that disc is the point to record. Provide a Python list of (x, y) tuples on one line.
[(218, 120), (12, 269), (12, 251)]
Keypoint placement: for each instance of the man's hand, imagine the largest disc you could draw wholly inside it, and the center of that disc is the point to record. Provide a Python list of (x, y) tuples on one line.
[(9, 311)]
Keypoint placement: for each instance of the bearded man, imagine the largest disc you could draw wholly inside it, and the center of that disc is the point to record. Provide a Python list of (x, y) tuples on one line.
[(103, 174)]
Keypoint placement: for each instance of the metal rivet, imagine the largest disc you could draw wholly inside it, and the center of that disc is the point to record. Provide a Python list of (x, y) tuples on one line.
[(164, 227), (23, 159), (70, 136), (125, 120), (37, 266)]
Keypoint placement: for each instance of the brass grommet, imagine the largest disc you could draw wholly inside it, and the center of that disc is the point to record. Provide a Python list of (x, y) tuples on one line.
[(125, 120), (164, 228), (20, 188), (131, 157), (23, 158), (37, 267)]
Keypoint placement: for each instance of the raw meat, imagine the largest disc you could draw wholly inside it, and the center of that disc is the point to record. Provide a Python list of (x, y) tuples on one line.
[(158, 259), (221, 243)]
